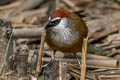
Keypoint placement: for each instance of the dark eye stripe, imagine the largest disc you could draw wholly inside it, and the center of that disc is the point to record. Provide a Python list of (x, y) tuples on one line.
[(55, 22)]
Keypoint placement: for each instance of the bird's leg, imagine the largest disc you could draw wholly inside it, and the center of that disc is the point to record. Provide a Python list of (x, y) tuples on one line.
[(77, 58), (53, 56)]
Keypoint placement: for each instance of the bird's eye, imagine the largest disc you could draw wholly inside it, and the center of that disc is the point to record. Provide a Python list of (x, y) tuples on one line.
[(55, 22), (58, 20)]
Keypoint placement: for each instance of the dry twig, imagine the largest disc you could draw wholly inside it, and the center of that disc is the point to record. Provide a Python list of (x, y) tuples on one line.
[(12, 5), (60, 70), (39, 63), (83, 62)]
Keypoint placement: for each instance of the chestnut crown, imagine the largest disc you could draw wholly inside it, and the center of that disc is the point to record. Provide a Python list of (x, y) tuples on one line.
[(58, 17), (60, 13)]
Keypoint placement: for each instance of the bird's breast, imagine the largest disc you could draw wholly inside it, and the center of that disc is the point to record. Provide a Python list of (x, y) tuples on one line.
[(62, 39)]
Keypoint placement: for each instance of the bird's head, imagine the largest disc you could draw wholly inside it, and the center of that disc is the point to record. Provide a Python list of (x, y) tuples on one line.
[(59, 19)]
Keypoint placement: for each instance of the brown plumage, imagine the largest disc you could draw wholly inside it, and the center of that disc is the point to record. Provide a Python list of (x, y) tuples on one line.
[(68, 34)]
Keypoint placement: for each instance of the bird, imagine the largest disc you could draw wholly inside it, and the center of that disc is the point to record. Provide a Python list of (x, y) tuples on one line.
[(65, 31)]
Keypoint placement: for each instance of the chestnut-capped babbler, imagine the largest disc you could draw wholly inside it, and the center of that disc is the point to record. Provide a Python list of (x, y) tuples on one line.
[(65, 31)]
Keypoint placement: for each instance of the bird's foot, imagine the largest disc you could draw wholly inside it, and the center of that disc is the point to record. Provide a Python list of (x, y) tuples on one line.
[(52, 57)]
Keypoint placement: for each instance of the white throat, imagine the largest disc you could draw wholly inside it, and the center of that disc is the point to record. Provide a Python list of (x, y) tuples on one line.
[(64, 33)]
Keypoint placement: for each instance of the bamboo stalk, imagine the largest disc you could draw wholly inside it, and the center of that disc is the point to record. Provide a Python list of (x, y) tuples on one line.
[(111, 63), (83, 62), (89, 56), (21, 25), (28, 33), (60, 70), (109, 77), (39, 63), (12, 5)]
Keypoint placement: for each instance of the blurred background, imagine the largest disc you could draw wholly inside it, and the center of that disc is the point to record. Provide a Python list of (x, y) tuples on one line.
[(37, 11), (27, 18)]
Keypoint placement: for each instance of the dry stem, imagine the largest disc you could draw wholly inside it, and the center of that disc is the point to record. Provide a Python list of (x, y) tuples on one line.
[(39, 63), (83, 62), (60, 70)]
